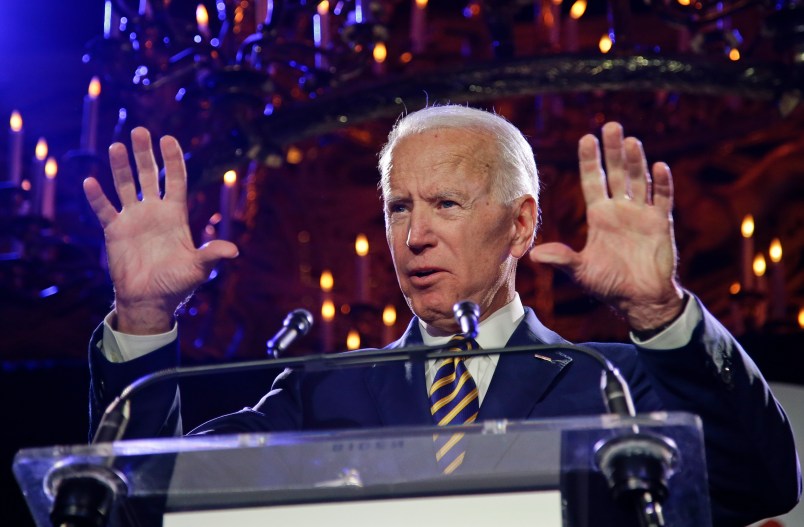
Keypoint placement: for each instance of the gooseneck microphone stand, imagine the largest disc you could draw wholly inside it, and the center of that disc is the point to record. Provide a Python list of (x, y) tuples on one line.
[(636, 465)]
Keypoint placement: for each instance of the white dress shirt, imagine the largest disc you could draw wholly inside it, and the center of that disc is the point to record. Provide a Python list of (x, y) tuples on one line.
[(493, 332)]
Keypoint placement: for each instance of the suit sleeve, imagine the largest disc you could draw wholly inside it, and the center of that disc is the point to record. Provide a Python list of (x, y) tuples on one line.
[(752, 463), (156, 411)]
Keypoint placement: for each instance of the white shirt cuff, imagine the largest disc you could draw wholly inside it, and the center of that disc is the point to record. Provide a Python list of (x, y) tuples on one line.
[(676, 335), (122, 347)]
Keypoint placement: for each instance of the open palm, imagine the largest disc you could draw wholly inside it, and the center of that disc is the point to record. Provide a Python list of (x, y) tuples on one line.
[(629, 259), (152, 259)]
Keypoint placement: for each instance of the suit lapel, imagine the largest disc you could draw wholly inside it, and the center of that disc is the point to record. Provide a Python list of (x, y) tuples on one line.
[(399, 388), (521, 380)]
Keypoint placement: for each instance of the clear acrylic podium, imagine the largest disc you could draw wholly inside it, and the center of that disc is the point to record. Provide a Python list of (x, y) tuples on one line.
[(163, 479)]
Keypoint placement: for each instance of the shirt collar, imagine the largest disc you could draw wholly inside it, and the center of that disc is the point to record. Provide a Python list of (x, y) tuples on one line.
[(493, 332)]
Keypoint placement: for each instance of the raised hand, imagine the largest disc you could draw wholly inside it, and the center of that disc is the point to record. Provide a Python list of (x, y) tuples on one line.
[(630, 256), (152, 259)]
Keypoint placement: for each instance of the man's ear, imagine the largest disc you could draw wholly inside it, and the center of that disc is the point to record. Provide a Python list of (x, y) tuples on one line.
[(525, 215)]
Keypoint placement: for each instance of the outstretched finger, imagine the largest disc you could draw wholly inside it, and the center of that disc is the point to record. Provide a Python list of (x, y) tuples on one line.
[(593, 179), (212, 252), (175, 170), (637, 167), (122, 175), (557, 255), (146, 163), (662, 187), (614, 154), (100, 204)]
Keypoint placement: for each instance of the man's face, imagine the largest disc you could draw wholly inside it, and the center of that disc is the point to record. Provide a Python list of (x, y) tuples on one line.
[(450, 237)]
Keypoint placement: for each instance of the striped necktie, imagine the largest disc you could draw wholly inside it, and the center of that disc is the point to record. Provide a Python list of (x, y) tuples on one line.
[(453, 400)]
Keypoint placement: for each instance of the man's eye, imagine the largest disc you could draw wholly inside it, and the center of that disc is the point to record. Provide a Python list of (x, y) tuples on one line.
[(396, 208), (447, 204)]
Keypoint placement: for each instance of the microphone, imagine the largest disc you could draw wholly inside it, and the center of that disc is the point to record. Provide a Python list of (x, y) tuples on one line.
[(467, 314), (296, 324)]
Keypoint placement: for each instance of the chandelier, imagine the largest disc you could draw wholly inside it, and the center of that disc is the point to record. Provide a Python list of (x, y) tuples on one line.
[(252, 76)]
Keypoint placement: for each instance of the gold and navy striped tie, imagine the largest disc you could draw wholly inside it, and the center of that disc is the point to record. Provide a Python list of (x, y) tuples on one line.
[(453, 400)]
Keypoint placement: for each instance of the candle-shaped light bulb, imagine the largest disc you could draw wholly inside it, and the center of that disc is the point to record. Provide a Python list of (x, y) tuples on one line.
[(322, 8), (230, 178), (326, 281), (380, 52), (760, 265), (327, 310), (49, 191), (51, 168), (389, 315), (747, 252), (94, 88), (605, 44), (15, 148), (418, 23), (41, 149), (89, 119), (578, 9), (778, 297), (352, 340), (228, 202), (388, 320), (775, 251), (361, 245), (747, 227), (202, 19), (801, 318), (16, 121), (735, 288)]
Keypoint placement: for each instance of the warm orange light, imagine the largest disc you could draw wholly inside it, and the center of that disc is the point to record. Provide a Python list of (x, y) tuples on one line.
[(323, 7), (406, 57), (94, 88), (605, 44), (215, 218), (578, 9), (230, 178), (734, 288), (558, 2), (775, 250), (760, 265), (380, 52), (201, 16), (747, 227), (734, 54), (421, 4), (801, 318), (353, 340), (389, 315), (684, 2), (51, 168), (328, 310), (16, 121), (361, 245), (41, 149), (25, 185), (294, 156), (326, 282)]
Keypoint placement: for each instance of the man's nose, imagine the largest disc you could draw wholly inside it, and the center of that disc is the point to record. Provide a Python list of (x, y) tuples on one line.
[(420, 231)]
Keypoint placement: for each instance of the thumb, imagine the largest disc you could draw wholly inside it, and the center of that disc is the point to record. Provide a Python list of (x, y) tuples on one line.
[(211, 252), (555, 254)]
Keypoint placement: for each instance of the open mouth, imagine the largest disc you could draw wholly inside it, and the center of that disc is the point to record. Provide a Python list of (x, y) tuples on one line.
[(423, 273)]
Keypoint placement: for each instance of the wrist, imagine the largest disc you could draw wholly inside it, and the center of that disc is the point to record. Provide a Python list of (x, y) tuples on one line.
[(141, 319), (647, 331)]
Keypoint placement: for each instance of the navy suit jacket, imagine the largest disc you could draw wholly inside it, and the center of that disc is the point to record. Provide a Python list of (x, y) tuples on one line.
[(751, 458)]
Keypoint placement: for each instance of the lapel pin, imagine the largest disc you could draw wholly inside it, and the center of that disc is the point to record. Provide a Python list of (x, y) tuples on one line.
[(542, 357)]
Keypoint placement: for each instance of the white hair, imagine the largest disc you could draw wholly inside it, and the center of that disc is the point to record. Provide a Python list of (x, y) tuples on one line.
[(516, 167)]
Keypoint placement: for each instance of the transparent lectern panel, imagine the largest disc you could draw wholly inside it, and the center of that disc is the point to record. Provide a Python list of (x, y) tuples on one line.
[(219, 472)]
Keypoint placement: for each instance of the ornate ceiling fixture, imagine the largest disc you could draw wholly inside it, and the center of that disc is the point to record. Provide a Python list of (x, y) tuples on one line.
[(251, 76)]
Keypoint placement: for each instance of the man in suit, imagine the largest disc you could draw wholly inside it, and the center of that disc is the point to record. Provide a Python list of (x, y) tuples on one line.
[(460, 193)]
